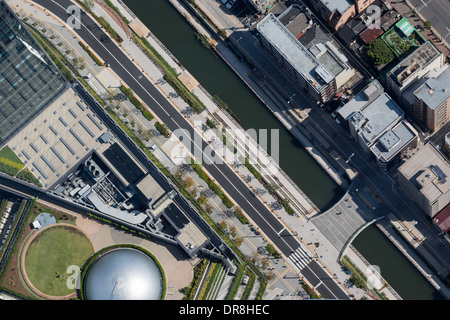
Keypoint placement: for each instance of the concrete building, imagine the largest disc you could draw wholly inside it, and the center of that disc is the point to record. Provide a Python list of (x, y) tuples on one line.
[(58, 138), (412, 68), (442, 222), (432, 101), (380, 116), (318, 42), (393, 144), (300, 64), (28, 79), (423, 178), (339, 12), (359, 102)]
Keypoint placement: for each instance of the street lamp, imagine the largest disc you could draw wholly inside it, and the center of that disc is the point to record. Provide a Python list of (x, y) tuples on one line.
[(290, 99), (348, 160)]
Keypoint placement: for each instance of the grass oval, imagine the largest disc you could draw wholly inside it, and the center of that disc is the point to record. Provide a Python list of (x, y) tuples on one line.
[(51, 253)]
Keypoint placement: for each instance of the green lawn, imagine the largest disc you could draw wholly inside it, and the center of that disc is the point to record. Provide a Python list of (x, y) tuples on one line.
[(9, 162), (51, 253)]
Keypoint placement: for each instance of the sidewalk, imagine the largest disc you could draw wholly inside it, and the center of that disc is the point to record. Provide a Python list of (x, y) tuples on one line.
[(404, 8), (103, 80)]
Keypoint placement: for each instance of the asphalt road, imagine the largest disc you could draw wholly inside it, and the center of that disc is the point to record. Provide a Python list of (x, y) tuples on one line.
[(437, 12), (222, 173)]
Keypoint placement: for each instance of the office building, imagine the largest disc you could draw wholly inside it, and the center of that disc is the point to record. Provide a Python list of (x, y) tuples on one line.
[(380, 116), (339, 12), (431, 107), (300, 64), (415, 66), (29, 81), (323, 47), (424, 177), (393, 144), (359, 102)]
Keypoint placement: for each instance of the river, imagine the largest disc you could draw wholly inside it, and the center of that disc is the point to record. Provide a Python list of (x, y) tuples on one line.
[(217, 78), (172, 29)]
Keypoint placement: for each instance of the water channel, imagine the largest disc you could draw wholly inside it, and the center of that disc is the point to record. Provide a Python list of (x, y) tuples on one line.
[(215, 76)]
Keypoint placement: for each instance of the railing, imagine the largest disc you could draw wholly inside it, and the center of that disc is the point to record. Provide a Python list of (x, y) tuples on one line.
[(391, 290)]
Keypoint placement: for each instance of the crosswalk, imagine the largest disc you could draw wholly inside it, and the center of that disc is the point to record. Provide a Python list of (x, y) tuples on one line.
[(300, 258)]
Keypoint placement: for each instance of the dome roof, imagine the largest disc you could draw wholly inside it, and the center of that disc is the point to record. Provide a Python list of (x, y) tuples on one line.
[(123, 274)]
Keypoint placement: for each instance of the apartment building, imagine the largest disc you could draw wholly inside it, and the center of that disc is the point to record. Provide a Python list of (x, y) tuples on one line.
[(338, 12), (423, 178), (432, 101), (368, 125), (414, 67), (300, 64)]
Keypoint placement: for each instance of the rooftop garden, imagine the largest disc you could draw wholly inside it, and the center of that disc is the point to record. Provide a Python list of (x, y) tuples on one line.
[(402, 38)]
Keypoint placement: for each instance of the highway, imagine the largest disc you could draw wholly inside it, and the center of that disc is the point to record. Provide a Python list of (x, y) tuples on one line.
[(224, 176)]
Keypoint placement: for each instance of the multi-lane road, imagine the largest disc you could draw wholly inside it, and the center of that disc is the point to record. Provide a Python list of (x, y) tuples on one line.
[(435, 11), (223, 174)]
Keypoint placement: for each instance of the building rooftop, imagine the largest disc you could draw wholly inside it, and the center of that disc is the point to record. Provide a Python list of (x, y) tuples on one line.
[(442, 219), (149, 188), (313, 38), (436, 89), (424, 169), (294, 52), (340, 6), (134, 217), (370, 34), (414, 62), (295, 20), (28, 79), (381, 115), (394, 141), (372, 91)]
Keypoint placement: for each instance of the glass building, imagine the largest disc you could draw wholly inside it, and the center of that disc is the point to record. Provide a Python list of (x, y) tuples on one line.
[(29, 80)]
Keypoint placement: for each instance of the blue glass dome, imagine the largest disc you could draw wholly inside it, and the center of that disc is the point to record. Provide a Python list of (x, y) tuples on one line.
[(123, 274)]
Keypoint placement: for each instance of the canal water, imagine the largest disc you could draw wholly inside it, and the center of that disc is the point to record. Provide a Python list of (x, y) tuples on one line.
[(172, 29), (217, 78), (398, 271)]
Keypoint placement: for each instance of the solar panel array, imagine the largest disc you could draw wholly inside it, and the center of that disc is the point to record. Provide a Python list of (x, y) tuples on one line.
[(440, 174)]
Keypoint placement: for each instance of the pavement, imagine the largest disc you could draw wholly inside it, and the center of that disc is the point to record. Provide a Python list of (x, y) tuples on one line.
[(100, 81), (377, 181), (136, 53), (435, 11), (293, 223)]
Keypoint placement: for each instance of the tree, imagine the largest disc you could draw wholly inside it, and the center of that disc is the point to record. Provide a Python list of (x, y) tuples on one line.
[(223, 225), (272, 188), (188, 182), (233, 231), (238, 241), (89, 4), (202, 199), (208, 208), (427, 25), (379, 53)]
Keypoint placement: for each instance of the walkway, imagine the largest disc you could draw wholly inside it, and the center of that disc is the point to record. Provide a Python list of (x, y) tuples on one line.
[(405, 7)]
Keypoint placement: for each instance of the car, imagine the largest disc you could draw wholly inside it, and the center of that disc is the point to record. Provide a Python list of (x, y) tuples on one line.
[(224, 1)]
